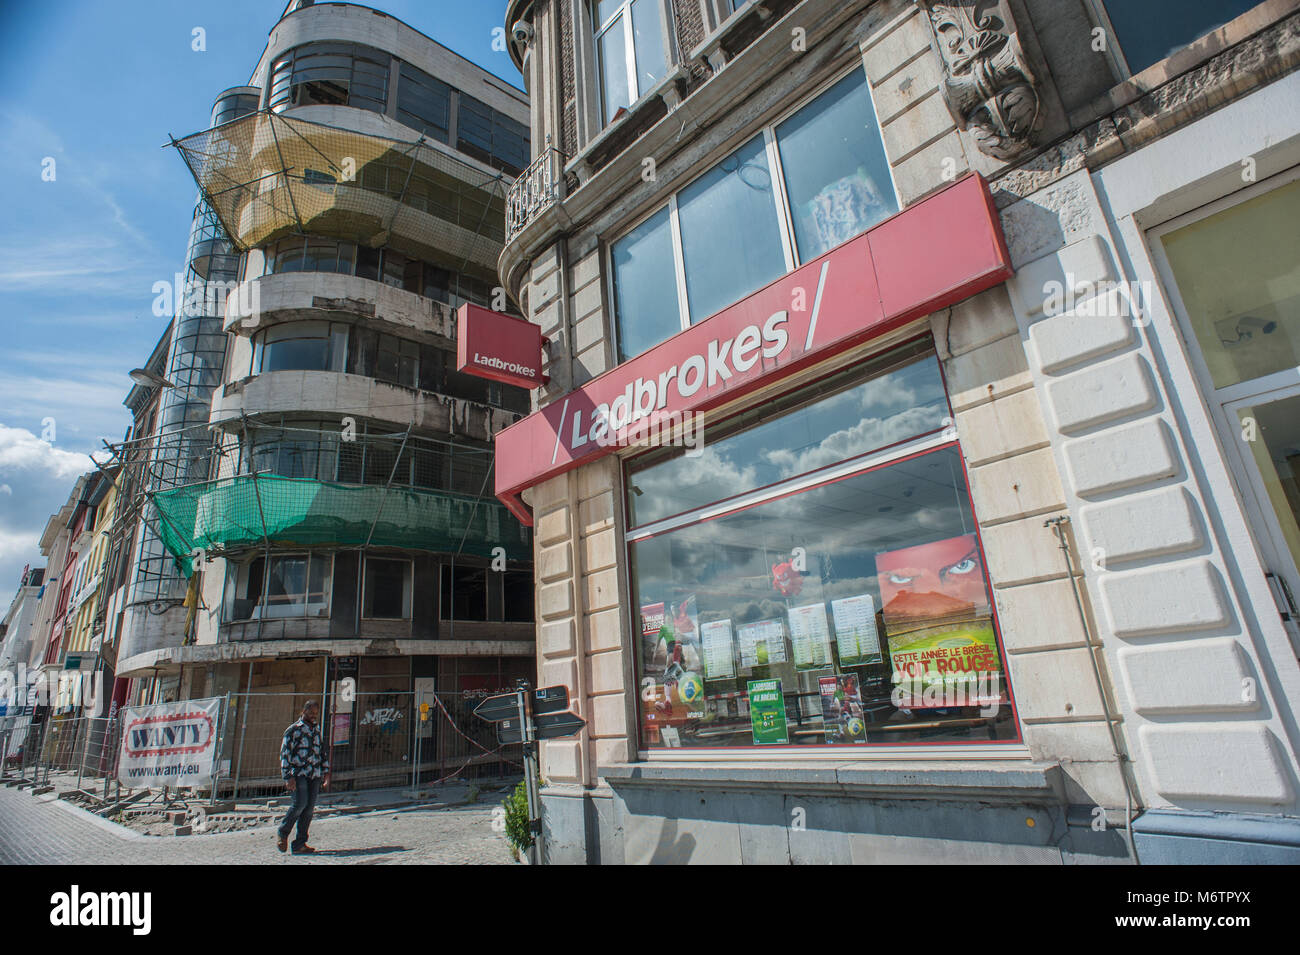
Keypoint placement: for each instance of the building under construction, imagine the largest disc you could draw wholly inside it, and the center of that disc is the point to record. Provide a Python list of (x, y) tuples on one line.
[(315, 481)]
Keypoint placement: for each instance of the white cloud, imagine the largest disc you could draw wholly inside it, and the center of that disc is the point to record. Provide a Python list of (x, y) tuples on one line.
[(22, 451), (39, 477)]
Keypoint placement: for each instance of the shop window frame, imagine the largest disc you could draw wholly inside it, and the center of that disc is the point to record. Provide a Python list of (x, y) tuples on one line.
[(1221, 402), (915, 447)]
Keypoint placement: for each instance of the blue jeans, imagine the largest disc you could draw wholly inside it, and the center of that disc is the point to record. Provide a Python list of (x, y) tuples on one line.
[(300, 809)]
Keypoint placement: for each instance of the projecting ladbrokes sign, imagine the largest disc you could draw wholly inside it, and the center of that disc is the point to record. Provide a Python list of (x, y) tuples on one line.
[(169, 744)]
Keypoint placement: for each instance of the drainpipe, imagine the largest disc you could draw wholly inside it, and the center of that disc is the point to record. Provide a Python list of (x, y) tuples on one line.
[(1057, 524)]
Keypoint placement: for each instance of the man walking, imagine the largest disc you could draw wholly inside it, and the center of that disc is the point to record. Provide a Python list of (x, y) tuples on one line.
[(305, 766)]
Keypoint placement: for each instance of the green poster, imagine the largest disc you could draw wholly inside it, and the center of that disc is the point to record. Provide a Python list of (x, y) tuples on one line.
[(767, 712)]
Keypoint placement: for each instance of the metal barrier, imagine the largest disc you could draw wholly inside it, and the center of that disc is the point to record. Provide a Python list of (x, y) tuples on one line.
[(87, 746), (376, 740)]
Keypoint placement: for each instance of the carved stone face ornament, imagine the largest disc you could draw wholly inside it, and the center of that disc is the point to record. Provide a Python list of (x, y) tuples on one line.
[(989, 88)]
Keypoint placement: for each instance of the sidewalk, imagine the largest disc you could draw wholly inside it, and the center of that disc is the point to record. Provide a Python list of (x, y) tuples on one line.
[(47, 831)]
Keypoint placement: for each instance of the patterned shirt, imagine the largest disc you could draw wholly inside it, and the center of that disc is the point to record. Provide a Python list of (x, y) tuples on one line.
[(303, 753)]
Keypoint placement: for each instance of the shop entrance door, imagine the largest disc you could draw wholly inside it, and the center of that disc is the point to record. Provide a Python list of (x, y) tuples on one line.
[(1232, 273)]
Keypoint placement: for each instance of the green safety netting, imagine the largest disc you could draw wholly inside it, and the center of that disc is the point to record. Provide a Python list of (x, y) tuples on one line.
[(243, 511)]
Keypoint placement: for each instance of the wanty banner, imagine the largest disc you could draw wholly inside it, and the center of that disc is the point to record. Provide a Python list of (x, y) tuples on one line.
[(169, 744)]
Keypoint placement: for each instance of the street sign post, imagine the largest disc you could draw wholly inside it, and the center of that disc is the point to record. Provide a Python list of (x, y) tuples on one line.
[(526, 716)]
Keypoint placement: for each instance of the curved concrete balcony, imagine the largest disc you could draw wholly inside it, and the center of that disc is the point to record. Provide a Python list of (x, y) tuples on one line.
[(301, 296), (269, 174), (336, 393), (347, 211)]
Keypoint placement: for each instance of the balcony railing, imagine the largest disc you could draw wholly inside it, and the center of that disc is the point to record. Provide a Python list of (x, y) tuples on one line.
[(538, 187)]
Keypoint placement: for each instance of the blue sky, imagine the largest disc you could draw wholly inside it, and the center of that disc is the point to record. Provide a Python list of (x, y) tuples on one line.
[(98, 87)]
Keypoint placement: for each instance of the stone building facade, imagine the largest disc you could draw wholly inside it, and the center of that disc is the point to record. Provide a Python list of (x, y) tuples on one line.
[(1123, 406)]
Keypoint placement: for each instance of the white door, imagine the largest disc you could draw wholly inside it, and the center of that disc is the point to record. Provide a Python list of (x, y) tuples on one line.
[(1232, 273)]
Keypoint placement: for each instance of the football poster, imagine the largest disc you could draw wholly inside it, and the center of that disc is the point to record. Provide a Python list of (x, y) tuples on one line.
[(939, 624)]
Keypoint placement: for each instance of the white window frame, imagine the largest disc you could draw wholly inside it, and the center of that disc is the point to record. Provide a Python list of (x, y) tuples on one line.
[(785, 219), (598, 30)]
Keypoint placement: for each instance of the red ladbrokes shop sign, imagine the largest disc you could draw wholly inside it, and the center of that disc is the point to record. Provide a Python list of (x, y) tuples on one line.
[(937, 252)]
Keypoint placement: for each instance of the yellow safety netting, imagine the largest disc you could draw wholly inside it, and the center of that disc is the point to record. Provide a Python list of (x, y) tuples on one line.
[(267, 175)]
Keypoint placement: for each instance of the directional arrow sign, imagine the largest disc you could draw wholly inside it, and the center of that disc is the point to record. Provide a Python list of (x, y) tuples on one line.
[(550, 699), (497, 708), (555, 725)]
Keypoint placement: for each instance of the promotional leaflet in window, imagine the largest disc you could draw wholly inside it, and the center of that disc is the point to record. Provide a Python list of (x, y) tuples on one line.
[(676, 682)]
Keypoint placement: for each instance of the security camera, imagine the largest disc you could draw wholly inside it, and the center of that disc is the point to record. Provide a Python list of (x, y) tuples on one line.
[(522, 31)]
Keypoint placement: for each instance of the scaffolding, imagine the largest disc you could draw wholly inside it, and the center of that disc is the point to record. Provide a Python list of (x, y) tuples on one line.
[(266, 175), (274, 484)]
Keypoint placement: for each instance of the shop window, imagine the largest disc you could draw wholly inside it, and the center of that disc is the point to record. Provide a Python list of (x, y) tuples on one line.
[(836, 173), (810, 182), (901, 396), (1149, 32), (464, 593), (844, 605), (631, 50), (1232, 275), (387, 591), (1237, 274)]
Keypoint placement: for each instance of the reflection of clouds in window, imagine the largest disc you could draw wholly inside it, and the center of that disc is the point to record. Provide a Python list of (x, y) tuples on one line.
[(711, 471), (867, 433)]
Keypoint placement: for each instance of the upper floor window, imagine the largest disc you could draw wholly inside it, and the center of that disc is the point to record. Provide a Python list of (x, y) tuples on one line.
[(286, 585), (320, 254), (802, 186), (357, 350), (424, 102), (1151, 31), (330, 74), (491, 136), (631, 50)]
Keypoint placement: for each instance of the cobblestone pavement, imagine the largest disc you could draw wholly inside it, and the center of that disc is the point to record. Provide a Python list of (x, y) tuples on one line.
[(37, 831)]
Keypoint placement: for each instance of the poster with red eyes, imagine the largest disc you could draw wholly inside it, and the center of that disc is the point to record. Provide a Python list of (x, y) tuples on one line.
[(939, 624)]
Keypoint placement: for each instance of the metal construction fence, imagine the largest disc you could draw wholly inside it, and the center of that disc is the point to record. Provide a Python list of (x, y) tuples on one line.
[(375, 740)]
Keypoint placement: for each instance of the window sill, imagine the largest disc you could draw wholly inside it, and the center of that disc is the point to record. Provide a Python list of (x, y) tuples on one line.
[(1195, 54), (713, 50), (666, 91), (962, 778)]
